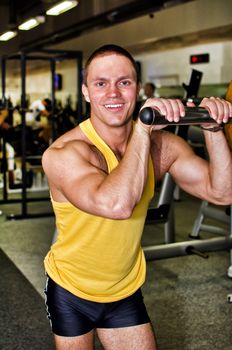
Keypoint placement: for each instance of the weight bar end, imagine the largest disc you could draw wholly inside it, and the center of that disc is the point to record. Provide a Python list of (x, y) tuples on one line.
[(147, 116)]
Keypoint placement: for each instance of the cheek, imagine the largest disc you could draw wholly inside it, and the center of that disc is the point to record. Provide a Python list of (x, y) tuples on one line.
[(132, 95), (96, 96)]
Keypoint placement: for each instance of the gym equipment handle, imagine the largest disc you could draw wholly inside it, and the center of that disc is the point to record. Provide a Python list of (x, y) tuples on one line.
[(193, 116)]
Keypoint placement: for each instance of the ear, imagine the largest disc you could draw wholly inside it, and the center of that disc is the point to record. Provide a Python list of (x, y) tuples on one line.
[(85, 92)]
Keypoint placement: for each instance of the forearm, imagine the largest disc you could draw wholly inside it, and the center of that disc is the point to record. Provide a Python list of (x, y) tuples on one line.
[(220, 167), (123, 187)]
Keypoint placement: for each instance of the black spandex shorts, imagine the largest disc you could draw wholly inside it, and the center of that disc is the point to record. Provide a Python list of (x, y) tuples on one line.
[(71, 316)]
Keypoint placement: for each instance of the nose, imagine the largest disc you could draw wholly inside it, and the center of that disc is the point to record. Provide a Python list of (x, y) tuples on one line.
[(113, 90)]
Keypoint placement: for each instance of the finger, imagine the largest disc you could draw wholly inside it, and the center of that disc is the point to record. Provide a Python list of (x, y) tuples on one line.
[(219, 109), (157, 103), (203, 102), (222, 111), (164, 110), (229, 104), (211, 106), (190, 104), (174, 110), (181, 107), (170, 111), (226, 113)]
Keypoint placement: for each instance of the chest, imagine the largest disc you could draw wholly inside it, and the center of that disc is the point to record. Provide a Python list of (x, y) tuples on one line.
[(105, 161)]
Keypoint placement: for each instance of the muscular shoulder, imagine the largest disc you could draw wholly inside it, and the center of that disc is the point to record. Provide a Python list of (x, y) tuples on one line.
[(64, 152), (166, 147), (69, 153)]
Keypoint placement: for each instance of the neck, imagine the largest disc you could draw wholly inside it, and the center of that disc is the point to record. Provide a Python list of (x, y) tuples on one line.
[(116, 137)]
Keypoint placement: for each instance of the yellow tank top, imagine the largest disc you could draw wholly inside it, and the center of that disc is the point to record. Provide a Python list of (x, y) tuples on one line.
[(95, 258)]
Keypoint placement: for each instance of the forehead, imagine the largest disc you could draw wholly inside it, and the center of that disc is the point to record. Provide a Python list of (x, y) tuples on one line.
[(111, 62)]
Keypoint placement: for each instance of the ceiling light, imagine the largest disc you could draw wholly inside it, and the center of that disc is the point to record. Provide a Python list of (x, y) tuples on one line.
[(31, 23), (62, 7), (8, 35)]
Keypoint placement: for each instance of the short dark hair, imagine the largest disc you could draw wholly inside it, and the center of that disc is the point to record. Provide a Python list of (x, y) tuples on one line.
[(111, 48), (47, 101), (48, 104), (152, 85)]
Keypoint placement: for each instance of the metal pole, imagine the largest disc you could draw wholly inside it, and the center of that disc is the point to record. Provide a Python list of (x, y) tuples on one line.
[(79, 88), (3, 75), (4, 158), (166, 197), (172, 250), (53, 121), (23, 116)]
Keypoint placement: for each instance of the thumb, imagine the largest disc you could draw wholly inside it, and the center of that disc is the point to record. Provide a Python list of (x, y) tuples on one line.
[(190, 104)]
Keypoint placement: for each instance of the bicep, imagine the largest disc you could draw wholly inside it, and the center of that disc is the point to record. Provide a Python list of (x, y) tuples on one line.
[(174, 155), (81, 186), (190, 172), (74, 178)]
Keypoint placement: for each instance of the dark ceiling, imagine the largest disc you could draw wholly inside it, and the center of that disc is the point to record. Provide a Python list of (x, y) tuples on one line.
[(88, 15)]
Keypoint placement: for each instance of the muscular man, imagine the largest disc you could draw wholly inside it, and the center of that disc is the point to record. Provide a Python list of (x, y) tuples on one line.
[(101, 176)]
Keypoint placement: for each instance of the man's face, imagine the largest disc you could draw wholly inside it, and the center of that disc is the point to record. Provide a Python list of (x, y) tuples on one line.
[(111, 88)]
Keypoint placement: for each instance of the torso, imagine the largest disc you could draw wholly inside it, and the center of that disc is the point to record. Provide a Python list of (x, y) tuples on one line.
[(162, 155)]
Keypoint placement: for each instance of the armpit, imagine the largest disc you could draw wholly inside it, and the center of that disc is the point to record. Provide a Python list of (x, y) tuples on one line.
[(98, 160)]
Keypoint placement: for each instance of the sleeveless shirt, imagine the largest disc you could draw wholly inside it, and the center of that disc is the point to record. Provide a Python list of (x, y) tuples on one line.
[(96, 258)]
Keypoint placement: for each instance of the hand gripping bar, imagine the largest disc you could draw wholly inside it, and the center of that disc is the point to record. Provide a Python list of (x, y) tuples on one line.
[(193, 116)]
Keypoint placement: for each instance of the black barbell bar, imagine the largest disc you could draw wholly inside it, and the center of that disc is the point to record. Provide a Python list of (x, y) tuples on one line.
[(193, 116)]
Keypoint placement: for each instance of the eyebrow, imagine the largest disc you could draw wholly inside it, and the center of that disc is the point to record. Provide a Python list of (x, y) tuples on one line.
[(123, 77)]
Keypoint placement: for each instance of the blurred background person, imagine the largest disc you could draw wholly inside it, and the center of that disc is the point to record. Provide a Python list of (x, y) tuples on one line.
[(149, 90)]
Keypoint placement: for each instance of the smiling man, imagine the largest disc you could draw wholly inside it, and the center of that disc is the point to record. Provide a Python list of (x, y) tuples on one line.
[(102, 177)]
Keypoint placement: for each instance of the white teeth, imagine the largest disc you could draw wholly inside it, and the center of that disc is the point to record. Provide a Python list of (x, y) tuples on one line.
[(113, 106)]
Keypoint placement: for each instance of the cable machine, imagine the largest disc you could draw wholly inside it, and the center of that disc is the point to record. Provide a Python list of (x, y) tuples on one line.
[(52, 56)]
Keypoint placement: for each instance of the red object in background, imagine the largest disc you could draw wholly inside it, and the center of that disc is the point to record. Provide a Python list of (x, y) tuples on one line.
[(200, 58)]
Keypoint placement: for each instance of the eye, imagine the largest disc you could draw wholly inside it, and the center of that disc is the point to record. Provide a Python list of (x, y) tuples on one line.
[(100, 83), (125, 83)]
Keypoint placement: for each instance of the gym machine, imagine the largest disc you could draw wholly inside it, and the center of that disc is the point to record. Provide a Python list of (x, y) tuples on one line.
[(194, 116), (164, 211), (52, 56), (207, 210)]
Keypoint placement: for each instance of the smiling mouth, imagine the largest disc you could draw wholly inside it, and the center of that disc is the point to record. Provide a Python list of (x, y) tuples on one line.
[(112, 106)]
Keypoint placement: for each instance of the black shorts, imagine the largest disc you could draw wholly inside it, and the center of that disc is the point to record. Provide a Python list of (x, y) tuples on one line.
[(71, 316)]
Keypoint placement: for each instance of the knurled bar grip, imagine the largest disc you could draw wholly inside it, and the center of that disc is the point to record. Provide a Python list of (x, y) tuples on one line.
[(193, 116)]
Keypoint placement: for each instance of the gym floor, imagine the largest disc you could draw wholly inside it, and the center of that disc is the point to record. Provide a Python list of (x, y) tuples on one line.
[(186, 297)]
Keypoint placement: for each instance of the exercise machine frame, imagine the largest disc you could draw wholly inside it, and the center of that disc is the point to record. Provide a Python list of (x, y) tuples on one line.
[(52, 56)]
